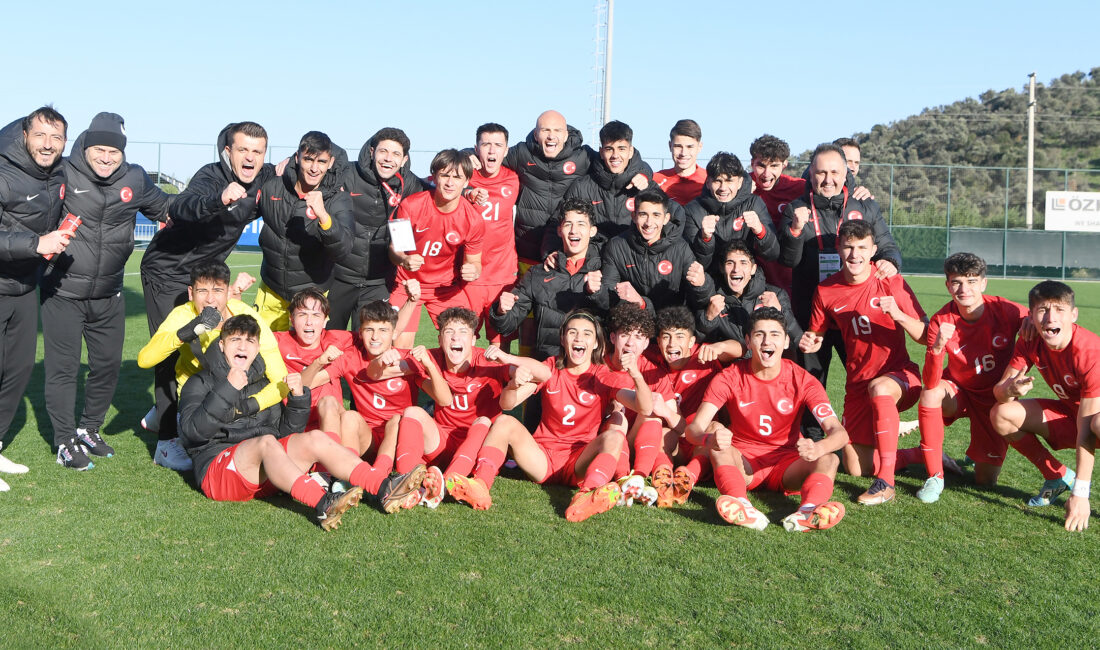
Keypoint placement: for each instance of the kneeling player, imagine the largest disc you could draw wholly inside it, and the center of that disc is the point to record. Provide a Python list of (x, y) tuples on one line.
[(237, 457), (572, 444), (763, 446)]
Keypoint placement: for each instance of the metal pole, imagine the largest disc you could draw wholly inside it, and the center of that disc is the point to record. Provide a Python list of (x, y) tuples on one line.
[(607, 63), (1030, 148), (947, 233), (1004, 233), (158, 163), (891, 195), (1063, 254)]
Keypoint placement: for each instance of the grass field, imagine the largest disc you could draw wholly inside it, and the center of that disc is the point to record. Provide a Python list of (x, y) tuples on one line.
[(130, 554)]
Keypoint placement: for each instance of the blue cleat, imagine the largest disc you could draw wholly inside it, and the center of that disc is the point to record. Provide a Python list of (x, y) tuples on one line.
[(1051, 489)]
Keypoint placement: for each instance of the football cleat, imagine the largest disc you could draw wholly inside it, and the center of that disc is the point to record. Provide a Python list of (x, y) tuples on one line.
[(880, 492), (593, 502), (931, 490), (630, 487), (433, 489), (333, 505), (394, 492), (1051, 489), (907, 427), (649, 496), (661, 479), (471, 490), (949, 465), (740, 512), (682, 485), (822, 517)]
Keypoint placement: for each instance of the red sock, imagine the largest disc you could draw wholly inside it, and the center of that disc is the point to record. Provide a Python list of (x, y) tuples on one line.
[(1039, 456), (463, 461), (410, 445), (599, 471), (384, 464), (698, 466), (489, 460), (886, 421), (306, 490), (661, 460), (816, 490), (931, 438), (622, 468), (910, 456), (730, 481), (367, 477), (646, 446)]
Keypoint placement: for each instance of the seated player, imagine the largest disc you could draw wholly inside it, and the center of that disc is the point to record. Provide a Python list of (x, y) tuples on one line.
[(1068, 358), (550, 291), (572, 445), (308, 339), (684, 180), (239, 456), (975, 333), (873, 315), (190, 328), (763, 447)]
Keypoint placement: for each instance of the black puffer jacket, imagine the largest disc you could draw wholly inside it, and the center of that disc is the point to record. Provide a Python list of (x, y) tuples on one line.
[(551, 295), (658, 272), (730, 324), (543, 182), (94, 263), (730, 227), (373, 203), (202, 228), (214, 415), (30, 205), (298, 253)]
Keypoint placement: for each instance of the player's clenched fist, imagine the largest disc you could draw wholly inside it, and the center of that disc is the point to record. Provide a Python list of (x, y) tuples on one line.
[(293, 381), (412, 289), (801, 218), (810, 342), (331, 353), (947, 330), (592, 281), (233, 192), (696, 276)]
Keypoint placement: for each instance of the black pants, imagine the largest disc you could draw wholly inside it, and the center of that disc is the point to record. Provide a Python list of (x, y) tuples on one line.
[(817, 364), (161, 297), (345, 299), (101, 323), (18, 331)]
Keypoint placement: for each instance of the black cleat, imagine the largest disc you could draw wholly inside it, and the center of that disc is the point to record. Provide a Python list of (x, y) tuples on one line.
[(333, 505), (397, 490)]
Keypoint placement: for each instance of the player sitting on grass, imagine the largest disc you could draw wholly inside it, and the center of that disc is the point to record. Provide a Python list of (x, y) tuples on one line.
[(873, 315), (572, 445), (239, 456), (763, 446), (1068, 358), (975, 332)]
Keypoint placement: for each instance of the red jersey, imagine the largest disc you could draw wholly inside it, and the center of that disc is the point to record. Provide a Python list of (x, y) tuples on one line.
[(767, 415), (687, 385), (874, 342), (499, 261), (785, 190), (377, 401), (682, 189), (439, 238), (297, 358), (978, 354), (573, 405), (1072, 373), (476, 392)]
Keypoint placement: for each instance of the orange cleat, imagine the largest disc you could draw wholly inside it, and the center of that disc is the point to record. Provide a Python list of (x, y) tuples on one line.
[(822, 517), (661, 479), (469, 490), (593, 502), (740, 512), (682, 485)]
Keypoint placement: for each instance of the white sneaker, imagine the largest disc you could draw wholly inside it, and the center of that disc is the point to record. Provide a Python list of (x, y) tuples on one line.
[(9, 467), (170, 454), (150, 422), (907, 427), (4, 487)]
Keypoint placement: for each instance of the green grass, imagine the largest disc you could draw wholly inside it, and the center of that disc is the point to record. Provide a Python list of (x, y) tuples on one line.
[(131, 554)]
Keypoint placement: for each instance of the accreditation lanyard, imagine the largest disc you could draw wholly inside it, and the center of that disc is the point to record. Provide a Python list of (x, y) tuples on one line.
[(817, 223)]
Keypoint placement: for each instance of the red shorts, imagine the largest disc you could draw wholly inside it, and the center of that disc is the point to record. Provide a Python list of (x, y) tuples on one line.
[(482, 296), (435, 299), (1061, 421), (768, 469), (986, 446), (224, 483), (449, 442), (859, 419), (561, 464)]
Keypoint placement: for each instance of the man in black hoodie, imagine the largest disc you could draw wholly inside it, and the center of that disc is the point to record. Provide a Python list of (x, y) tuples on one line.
[(308, 226), (82, 287), (31, 189), (376, 185), (208, 218)]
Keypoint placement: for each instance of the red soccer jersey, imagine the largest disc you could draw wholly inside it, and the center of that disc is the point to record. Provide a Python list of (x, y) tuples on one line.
[(440, 237), (297, 358), (980, 351), (682, 189), (767, 415), (377, 401), (621, 378), (1072, 373), (573, 405), (476, 392), (874, 342), (786, 189), (499, 261), (687, 385)]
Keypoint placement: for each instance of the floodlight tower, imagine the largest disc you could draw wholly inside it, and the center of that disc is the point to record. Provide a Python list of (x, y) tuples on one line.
[(601, 108)]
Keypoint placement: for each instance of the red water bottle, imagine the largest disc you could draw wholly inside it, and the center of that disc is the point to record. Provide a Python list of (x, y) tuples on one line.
[(68, 224)]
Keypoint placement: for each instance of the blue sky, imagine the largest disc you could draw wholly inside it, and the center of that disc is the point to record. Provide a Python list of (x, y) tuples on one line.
[(808, 73)]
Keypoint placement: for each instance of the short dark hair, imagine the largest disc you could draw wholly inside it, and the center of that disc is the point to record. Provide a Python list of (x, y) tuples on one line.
[(768, 147), (247, 129), (490, 127), (614, 131), (686, 128), (452, 158), (724, 163), (766, 313), (651, 194), (211, 270), (826, 147), (738, 246), (244, 324), (965, 264), (460, 314), (391, 133), (1050, 291), (676, 317), (601, 340), (856, 229), (300, 298), (47, 114), (378, 311), (629, 317), (846, 142), (574, 204), (315, 142)]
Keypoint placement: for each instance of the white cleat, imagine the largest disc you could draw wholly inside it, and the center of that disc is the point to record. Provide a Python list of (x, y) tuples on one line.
[(907, 427)]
